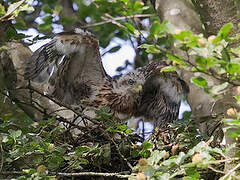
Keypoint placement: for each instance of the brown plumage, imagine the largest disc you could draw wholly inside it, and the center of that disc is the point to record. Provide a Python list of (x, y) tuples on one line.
[(81, 79), (161, 97)]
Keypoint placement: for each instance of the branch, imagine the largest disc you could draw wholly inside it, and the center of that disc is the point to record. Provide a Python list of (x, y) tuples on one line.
[(73, 174), (9, 13), (230, 172), (113, 20), (94, 174)]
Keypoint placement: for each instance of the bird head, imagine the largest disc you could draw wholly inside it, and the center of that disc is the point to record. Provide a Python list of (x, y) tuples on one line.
[(130, 84)]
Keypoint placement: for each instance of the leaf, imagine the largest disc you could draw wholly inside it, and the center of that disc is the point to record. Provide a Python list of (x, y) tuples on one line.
[(114, 49), (225, 55), (183, 34), (175, 58), (156, 156), (199, 81), (15, 134), (148, 171), (150, 48), (168, 68), (130, 27), (155, 28), (68, 20), (2, 10), (12, 7), (15, 8), (47, 9), (48, 19), (201, 60), (219, 88), (233, 68), (58, 8), (225, 30), (192, 172), (11, 33), (146, 145), (44, 26), (138, 5)]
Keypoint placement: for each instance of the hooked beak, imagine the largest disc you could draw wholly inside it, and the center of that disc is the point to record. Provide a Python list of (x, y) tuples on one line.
[(138, 89)]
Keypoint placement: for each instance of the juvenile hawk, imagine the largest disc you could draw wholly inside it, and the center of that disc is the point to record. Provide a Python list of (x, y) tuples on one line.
[(81, 79)]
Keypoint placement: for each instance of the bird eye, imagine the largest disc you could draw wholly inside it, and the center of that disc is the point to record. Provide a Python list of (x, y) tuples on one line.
[(130, 81)]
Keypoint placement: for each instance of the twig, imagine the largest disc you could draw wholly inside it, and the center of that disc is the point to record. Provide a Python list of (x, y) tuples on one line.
[(113, 21), (117, 147), (9, 13), (215, 170), (118, 19), (230, 172), (73, 174), (94, 174), (1, 151)]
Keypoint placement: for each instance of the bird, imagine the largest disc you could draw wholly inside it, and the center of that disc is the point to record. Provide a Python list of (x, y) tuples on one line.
[(160, 98), (79, 78)]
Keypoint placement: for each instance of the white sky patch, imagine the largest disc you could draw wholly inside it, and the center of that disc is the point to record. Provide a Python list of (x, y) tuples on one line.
[(184, 107), (111, 61)]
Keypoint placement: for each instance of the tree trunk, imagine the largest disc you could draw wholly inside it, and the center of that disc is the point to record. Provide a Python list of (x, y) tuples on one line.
[(183, 15)]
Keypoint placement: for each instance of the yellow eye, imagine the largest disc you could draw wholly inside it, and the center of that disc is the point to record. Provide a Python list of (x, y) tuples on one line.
[(130, 81)]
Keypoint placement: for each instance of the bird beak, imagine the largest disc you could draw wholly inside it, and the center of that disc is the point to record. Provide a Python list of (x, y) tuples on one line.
[(138, 88)]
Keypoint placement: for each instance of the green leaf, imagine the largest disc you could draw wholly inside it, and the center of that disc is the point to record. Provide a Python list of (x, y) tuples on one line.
[(201, 60), (168, 68), (150, 48), (2, 10), (183, 34), (14, 9), (155, 28), (81, 149), (146, 145), (199, 81), (15, 134), (47, 9), (225, 30), (148, 171), (44, 26), (48, 19), (176, 58), (68, 20), (130, 27), (58, 8), (192, 172), (225, 55), (11, 33), (114, 49), (138, 5), (233, 68)]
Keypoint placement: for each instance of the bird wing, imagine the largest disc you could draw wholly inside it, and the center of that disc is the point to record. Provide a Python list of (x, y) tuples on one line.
[(161, 97), (40, 60), (75, 45), (80, 70)]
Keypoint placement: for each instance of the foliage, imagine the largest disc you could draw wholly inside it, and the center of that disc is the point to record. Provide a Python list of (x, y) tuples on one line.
[(42, 150)]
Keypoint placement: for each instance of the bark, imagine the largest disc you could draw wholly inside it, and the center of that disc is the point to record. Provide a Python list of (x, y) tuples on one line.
[(214, 14), (182, 15)]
